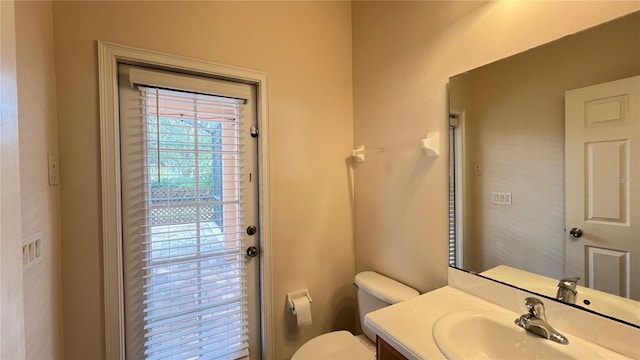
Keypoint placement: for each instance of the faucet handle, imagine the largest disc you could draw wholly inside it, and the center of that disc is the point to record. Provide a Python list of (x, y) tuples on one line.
[(535, 307), (569, 283)]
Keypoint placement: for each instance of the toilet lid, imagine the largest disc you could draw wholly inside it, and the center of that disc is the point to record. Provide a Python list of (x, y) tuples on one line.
[(335, 345)]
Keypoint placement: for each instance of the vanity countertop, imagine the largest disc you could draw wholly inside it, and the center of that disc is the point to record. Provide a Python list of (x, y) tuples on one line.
[(407, 326)]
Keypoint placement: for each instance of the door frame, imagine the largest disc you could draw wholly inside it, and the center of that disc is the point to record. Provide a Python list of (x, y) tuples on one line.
[(109, 55)]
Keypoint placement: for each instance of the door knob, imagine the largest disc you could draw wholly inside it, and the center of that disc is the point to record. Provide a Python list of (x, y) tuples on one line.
[(252, 251), (575, 233)]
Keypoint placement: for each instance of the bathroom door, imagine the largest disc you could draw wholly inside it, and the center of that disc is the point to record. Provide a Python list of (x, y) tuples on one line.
[(602, 180)]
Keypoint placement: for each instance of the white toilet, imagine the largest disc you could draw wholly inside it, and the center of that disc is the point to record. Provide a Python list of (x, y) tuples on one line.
[(374, 291)]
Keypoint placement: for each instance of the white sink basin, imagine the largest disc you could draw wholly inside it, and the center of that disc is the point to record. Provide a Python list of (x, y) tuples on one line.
[(480, 334)]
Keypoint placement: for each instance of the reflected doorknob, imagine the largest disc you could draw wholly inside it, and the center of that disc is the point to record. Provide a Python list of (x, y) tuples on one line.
[(575, 233)]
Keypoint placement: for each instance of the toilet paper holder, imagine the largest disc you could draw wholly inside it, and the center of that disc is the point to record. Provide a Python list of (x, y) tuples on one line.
[(295, 295)]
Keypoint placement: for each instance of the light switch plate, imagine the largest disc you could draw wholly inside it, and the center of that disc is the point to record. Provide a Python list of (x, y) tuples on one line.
[(501, 198), (54, 177), (477, 168), (32, 251)]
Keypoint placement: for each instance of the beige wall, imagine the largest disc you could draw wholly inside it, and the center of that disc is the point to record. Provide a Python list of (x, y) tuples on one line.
[(40, 202), (306, 49), (514, 123), (11, 288), (403, 55)]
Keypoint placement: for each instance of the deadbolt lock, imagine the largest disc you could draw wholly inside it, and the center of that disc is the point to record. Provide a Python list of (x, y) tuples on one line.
[(252, 251)]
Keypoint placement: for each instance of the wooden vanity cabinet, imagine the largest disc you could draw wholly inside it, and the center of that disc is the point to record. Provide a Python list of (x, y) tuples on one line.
[(386, 351)]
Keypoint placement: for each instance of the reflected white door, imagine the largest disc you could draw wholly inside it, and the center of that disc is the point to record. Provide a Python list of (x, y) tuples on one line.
[(602, 179)]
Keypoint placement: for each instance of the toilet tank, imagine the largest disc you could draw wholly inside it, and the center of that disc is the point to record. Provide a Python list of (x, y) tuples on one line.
[(376, 291)]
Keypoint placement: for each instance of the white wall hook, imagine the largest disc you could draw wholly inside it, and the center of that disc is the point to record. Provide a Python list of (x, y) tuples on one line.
[(358, 153), (295, 295), (431, 144)]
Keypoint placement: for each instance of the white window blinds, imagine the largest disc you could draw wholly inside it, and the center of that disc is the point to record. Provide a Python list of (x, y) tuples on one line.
[(452, 197), (185, 293)]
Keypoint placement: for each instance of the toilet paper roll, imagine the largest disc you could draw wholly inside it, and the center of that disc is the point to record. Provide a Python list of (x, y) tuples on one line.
[(302, 311)]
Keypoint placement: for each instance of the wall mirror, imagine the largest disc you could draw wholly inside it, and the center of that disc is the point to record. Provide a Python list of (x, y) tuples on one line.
[(545, 169)]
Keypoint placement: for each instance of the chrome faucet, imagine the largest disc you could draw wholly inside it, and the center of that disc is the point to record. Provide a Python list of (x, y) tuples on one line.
[(535, 321), (567, 290)]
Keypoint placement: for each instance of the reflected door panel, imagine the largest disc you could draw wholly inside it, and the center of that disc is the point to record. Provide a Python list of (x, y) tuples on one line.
[(602, 177)]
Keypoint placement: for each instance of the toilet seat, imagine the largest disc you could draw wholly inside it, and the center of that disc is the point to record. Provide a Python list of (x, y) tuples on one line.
[(335, 345)]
